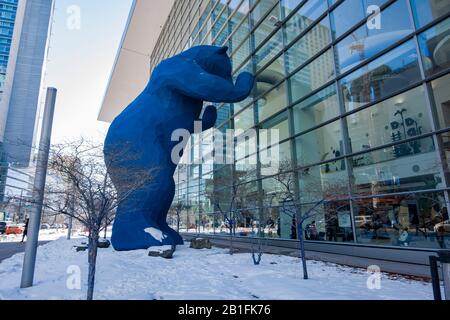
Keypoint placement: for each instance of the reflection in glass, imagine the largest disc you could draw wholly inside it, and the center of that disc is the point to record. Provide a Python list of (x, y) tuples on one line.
[(244, 120), (405, 167), (331, 221), (364, 43), (329, 180), (312, 76), (242, 30), (261, 9), (444, 141), (425, 11), (269, 50), (442, 100), (412, 220), (240, 54), (279, 123), (310, 44), (303, 18), (320, 145), (269, 24), (389, 73), (341, 19), (435, 48), (272, 102), (402, 117), (317, 109)]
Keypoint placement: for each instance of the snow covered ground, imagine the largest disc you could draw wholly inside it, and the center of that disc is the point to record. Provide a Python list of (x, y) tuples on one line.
[(44, 235), (195, 274)]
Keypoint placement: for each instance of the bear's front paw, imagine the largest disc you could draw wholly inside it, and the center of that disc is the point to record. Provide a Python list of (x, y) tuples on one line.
[(209, 118), (245, 83)]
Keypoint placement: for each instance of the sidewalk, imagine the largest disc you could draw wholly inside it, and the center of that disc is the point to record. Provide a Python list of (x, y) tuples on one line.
[(404, 269)]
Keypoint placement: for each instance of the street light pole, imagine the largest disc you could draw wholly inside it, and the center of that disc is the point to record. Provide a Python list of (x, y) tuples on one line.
[(29, 260)]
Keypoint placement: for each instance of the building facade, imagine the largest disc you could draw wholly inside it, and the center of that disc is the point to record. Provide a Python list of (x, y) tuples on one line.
[(24, 32), (363, 113), (30, 37), (361, 104)]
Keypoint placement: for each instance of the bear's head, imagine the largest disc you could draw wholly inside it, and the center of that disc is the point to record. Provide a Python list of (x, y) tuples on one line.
[(212, 59)]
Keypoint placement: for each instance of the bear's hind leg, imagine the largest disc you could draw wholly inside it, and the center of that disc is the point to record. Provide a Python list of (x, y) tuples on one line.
[(162, 219), (133, 230)]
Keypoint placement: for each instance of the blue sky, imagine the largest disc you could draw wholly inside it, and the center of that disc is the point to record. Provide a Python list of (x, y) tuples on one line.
[(80, 62)]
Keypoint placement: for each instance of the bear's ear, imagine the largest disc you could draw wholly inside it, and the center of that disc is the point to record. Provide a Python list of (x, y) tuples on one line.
[(222, 50)]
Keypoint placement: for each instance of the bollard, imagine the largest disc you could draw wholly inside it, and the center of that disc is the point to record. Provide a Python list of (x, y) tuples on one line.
[(444, 259), (435, 278)]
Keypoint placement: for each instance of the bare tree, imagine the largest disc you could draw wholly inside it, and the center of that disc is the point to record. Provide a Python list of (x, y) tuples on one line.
[(81, 188), (176, 209), (228, 196), (321, 194)]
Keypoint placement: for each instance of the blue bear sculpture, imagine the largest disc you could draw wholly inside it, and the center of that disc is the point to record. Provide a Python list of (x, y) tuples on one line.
[(172, 100)]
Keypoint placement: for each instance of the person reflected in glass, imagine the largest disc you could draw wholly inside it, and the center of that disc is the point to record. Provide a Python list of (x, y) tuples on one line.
[(332, 225), (442, 228), (311, 231)]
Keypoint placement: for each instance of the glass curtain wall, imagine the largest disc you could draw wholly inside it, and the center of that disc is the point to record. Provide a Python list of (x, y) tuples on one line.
[(362, 110)]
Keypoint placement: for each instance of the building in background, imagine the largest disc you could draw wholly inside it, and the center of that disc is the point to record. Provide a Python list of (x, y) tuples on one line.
[(24, 30), (360, 108)]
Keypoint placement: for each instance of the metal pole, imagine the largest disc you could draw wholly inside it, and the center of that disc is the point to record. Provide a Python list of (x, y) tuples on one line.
[(69, 229), (435, 278), (20, 204), (72, 211), (444, 258), (29, 260)]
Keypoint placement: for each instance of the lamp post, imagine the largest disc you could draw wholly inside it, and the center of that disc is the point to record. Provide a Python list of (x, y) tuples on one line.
[(29, 260)]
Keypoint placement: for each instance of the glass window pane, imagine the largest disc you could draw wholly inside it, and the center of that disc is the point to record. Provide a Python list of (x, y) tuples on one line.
[(241, 54), (239, 35), (389, 73), (323, 181), (312, 76), (269, 50), (342, 20), (279, 123), (320, 145), (269, 77), (269, 24), (402, 117), (435, 48), (426, 11), (412, 220), (272, 102), (442, 100), (244, 120), (261, 9), (364, 43), (410, 166), (318, 108), (310, 44), (330, 221), (444, 141), (303, 18)]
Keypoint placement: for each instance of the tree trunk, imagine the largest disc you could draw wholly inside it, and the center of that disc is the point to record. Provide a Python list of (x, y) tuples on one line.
[(106, 230), (92, 259), (178, 222), (302, 249), (230, 222), (69, 229)]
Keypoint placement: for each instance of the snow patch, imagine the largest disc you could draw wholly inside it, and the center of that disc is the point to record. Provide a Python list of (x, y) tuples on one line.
[(197, 275), (44, 235), (156, 233)]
